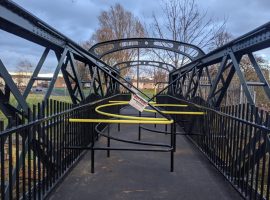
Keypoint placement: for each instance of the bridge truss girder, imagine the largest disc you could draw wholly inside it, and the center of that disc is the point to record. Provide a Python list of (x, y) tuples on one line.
[(152, 63), (185, 81), (228, 60), (104, 48), (17, 21)]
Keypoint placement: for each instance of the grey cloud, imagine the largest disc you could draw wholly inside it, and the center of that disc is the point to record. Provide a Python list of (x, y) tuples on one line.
[(243, 15), (78, 19)]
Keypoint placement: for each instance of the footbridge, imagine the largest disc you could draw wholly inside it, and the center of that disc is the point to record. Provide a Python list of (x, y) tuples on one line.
[(113, 141)]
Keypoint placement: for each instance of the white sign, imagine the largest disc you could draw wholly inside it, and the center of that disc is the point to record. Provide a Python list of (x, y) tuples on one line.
[(138, 102)]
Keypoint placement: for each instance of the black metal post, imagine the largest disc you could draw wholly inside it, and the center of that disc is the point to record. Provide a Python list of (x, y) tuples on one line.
[(119, 107), (108, 141), (172, 147), (93, 150), (139, 133), (155, 125)]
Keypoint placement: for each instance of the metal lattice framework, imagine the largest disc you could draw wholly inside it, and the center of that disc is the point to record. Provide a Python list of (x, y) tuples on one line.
[(157, 64), (17, 21), (104, 80), (186, 80), (104, 48)]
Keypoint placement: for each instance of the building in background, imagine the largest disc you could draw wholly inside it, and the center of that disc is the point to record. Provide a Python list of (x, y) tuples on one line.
[(22, 79)]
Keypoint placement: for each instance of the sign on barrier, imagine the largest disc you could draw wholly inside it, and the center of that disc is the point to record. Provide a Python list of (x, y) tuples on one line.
[(138, 102)]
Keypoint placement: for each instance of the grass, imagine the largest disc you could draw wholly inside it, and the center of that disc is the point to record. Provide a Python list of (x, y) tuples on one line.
[(149, 92), (33, 99)]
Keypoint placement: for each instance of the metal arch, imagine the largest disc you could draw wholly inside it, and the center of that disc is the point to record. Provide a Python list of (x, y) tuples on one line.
[(157, 64), (129, 43)]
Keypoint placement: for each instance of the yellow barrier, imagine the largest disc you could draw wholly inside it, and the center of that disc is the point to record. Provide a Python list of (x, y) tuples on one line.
[(160, 105), (151, 102), (134, 119), (177, 112), (116, 121), (155, 104), (170, 105), (124, 116)]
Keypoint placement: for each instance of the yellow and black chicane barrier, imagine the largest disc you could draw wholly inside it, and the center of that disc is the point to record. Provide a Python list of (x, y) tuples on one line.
[(126, 119)]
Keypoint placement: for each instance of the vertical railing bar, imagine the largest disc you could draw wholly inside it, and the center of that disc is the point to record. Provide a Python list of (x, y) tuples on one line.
[(34, 153), (222, 136), (226, 141), (245, 180), (233, 143), (264, 157), (51, 148), (237, 153), (249, 147), (29, 146), (55, 143), (211, 137), (221, 142), (259, 133), (61, 138), (17, 150), (70, 136), (24, 132), (229, 142), (45, 162), (268, 148), (38, 152), (2, 150), (10, 162), (241, 180), (253, 153)]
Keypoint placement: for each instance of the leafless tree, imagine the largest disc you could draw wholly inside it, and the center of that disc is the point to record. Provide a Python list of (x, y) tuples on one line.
[(24, 69), (182, 20), (220, 39), (117, 23)]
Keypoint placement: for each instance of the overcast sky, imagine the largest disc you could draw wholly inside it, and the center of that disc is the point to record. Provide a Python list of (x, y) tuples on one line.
[(77, 19)]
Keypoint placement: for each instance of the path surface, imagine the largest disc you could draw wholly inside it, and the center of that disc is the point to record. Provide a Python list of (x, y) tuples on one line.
[(145, 175)]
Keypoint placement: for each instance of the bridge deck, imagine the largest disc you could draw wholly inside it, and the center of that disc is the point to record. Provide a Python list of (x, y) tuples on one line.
[(145, 175)]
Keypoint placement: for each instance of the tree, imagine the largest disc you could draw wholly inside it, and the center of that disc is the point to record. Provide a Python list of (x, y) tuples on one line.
[(251, 76), (183, 21), (117, 23), (220, 39), (24, 69)]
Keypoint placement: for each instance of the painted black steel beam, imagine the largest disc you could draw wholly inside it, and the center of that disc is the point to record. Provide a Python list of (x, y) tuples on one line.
[(161, 65), (108, 47), (255, 40)]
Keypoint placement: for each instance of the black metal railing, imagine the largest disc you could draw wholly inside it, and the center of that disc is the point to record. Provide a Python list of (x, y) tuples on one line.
[(33, 154), (236, 140)]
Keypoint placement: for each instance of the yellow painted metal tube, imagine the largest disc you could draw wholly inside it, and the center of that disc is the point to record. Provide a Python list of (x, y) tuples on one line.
[(116, 121), (170, 105), (147, 110), (151, 102), (124, 116), (177, 112), (155, 104)]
